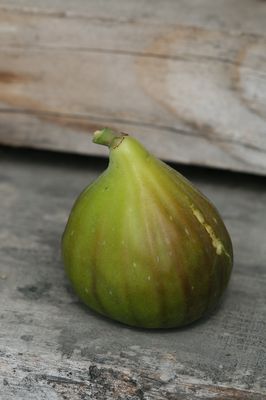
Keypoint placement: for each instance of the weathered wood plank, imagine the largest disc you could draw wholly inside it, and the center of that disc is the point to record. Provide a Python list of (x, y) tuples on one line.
[(188, 80), (52, 347)]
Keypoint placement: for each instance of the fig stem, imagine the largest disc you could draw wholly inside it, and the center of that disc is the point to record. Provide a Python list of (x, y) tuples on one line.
[(107, 137)]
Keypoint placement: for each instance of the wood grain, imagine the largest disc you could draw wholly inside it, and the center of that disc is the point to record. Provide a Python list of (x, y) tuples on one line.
[(189, 81), (52, 347)]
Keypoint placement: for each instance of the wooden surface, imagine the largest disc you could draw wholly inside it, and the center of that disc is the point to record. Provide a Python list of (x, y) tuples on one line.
[(188, 78), (53, 348)]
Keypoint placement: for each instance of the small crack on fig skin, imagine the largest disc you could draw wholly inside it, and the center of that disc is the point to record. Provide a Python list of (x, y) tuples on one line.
[(120, 141), (209, 260), (216, 242)]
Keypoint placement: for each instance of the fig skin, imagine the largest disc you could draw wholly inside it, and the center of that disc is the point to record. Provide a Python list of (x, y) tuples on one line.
[(142, 245)]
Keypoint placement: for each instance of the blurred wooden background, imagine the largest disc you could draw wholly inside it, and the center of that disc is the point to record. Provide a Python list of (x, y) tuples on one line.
[(186, 77)]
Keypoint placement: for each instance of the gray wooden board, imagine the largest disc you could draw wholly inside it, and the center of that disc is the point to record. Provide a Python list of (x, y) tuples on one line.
[(52, 347), (186, 77)]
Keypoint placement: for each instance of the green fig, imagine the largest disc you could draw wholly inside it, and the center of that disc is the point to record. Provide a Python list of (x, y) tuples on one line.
[(142, 245)]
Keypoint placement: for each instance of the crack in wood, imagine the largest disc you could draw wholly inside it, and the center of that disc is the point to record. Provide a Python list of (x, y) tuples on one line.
[(58, 379), (81, 122), (66, 14), (189, 58), (83, 118)]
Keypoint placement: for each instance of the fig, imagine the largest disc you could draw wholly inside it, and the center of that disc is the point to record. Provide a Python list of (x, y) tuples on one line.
[(142, 245)]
